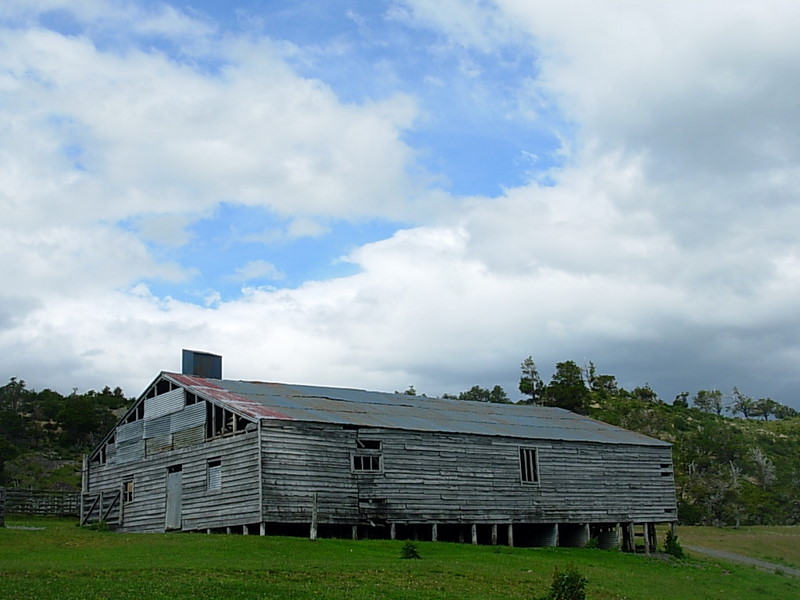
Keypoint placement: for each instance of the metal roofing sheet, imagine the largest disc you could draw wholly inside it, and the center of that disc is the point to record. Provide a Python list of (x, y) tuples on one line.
[(398, 411)]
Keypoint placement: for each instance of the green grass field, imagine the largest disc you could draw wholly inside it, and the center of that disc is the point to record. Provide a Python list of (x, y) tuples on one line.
[(780, 545), (66, 562)]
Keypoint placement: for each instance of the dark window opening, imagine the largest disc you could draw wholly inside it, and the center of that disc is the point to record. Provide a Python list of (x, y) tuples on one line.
[(368, 444), (528, 465), (221, 421)]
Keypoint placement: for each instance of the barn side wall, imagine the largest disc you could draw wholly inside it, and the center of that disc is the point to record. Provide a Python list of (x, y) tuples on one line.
[(235, 503), (458, 478)]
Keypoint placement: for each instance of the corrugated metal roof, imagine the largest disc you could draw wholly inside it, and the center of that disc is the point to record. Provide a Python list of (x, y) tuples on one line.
[(398, 411)]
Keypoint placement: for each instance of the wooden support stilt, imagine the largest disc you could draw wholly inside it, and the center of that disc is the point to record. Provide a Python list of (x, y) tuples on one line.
[(510, 535), (434, 533), (646, 532), (628, 538), (313, 534), (393, 531), (262, 528), (494, 534), (355, 532), (474, 534)]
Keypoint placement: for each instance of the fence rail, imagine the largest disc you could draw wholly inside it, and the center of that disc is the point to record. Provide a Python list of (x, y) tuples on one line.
[(41, 502)]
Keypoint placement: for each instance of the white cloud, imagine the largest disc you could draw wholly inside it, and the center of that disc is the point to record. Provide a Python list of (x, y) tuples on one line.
[(257, 269), (665, 248)]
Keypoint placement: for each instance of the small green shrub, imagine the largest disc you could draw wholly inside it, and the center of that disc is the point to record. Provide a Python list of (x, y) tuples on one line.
[(409, 550), (99, 526), (673, 546), (567, 585), (593, 544)]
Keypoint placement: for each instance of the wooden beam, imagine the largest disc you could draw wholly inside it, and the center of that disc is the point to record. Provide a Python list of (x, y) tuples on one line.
[(314, 513), (474, 534)]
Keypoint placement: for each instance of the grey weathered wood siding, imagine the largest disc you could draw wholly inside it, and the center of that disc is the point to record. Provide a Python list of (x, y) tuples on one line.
[(439, 477), (236, 503), (301, 459)]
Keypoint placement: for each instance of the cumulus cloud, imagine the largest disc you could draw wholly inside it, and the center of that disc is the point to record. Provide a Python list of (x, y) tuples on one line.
[(664, 248)]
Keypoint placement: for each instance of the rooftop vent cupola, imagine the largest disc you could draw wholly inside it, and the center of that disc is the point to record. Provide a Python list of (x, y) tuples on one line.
[(202, 364)]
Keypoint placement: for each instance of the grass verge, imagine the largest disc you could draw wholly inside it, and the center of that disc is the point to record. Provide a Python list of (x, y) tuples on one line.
[(779, 545)]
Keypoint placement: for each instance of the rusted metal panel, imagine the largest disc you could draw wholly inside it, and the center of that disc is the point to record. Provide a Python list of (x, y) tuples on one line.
[(163, 404)]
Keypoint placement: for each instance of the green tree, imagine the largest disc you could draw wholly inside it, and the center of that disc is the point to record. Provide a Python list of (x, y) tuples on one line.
[(475, 394), (765, 408), (530, 383), (784, 412), (498, 396), (681, 400), (567, 388), (709, 401), (83, 421), (741, 404), (645, 394)]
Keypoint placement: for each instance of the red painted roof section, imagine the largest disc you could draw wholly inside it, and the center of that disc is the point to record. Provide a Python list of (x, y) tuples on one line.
[(208, 388)]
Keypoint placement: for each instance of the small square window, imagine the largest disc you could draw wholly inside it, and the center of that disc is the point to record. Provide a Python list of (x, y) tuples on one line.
[(214, 478), (366, 462), (528, 465)]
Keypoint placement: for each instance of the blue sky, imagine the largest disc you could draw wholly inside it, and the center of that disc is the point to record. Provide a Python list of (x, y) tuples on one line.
[(380, 194)]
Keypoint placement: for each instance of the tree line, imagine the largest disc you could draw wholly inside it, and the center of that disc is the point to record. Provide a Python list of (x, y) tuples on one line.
[(45, 428), (577, 389)]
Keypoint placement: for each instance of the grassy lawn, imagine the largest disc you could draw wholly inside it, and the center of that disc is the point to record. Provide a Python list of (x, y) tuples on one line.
[(65, 562), (780, 545)]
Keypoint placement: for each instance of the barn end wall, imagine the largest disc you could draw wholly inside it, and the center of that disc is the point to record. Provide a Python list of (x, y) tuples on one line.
[(431, 477), (236, 503)]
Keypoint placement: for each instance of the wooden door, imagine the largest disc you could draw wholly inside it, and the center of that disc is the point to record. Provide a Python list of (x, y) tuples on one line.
[(174, 498)]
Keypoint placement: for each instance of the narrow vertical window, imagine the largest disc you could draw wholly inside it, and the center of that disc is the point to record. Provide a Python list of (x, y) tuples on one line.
[(127, 491), (214, 477), (528, 465)]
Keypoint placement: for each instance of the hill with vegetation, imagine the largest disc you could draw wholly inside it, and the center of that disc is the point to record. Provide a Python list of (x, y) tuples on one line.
[(737, 459)]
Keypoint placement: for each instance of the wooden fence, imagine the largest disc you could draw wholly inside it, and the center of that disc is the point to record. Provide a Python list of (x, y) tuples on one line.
[(39, 502)]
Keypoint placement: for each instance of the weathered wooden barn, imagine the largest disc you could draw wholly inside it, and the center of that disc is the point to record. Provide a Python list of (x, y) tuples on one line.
[(200, 453)]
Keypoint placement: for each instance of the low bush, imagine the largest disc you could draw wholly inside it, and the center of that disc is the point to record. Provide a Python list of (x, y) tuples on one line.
[(567, 585)]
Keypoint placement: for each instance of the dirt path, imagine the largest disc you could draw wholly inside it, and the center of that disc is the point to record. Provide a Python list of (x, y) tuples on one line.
[(759, 564)]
